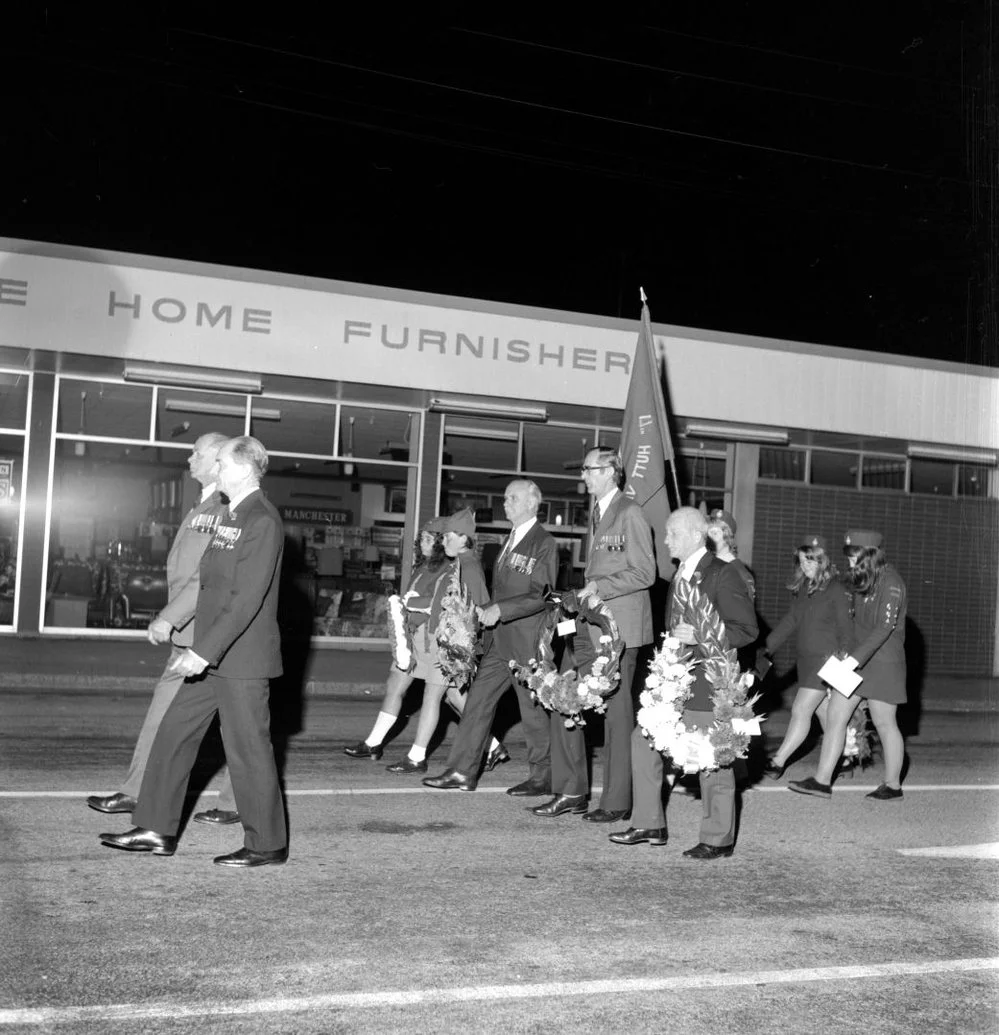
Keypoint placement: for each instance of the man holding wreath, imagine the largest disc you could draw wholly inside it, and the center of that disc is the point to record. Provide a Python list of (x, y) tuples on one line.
[(721, 584)]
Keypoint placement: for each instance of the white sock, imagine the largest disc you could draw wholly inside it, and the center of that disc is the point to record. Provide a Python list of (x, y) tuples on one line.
[(382, 725), (417, 754)]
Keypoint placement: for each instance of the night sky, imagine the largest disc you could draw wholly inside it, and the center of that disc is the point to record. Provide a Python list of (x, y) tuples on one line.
[(822, 174)]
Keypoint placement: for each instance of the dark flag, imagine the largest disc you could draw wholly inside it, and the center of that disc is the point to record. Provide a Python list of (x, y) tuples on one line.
[(646, 447)]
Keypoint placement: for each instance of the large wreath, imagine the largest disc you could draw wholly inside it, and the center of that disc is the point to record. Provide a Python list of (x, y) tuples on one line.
[(400, 636), (590, 674), (668, 688), (457, 632)]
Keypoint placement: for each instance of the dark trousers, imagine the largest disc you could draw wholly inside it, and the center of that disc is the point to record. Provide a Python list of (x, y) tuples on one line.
[(244, 715), (569, 748), (491, 681)]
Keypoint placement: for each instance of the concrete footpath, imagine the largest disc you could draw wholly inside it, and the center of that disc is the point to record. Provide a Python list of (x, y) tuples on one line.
[(133, 666)]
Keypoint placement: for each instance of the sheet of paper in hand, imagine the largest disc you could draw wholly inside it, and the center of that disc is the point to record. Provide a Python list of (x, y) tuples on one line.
[(840, 676)]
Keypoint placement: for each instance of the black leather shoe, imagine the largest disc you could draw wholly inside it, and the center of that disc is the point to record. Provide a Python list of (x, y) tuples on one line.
[(811, 786), (773, 769), (248, 857), (633, 836), (885, 793), (496, 757), (450, 780), (112, 803), (603, 816), (138, 839), (560, 805), (703, 851), (220, 817), (362, 750), (407, 765), (530, 789)]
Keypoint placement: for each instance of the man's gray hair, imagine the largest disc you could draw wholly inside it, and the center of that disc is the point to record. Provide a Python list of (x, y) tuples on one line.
[(248, 450), (692, 519)]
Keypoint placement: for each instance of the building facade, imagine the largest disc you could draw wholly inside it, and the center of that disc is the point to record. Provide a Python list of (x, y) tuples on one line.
[(380, 408)]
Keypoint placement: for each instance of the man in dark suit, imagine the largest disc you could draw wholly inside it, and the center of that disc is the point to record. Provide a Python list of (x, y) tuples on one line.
[(686, 532), (620, 568), (175, 625), (525, 570), (237, 650)]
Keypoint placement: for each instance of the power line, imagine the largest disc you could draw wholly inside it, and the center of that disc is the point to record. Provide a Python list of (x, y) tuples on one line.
[(539, 106)]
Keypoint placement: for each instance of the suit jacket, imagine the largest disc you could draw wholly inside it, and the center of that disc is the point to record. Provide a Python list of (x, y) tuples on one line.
[(183, 561), (235, 624), (726, 589), (520, 583), (622, 564)]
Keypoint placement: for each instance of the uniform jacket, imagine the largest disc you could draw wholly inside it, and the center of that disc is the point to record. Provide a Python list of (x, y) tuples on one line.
[(820, 623), (235, 625), (183, 561), (726, 589), (879, 621), (622, 564), (519, 586)]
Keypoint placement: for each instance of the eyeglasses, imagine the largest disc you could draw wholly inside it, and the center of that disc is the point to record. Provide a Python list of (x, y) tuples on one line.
[(595, 467)]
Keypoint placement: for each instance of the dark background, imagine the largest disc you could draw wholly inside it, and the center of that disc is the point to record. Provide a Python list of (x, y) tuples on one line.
[(797, 171)]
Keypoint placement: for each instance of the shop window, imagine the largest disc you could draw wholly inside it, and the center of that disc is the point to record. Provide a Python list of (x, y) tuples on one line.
[(377, 434), (972, 480), (837, 469), (883, 472), (703, 478), (786, 465), (293, 425), (931, 477), (11, 488), (13, 399), (103, 408), (488, 444), (184, 416), (555, 450)]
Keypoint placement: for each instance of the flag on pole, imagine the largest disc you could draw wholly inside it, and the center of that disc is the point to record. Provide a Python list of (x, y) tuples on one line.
[(646, 447)]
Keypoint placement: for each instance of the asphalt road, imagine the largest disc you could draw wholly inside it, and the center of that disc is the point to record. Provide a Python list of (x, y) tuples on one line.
[(404, 909)]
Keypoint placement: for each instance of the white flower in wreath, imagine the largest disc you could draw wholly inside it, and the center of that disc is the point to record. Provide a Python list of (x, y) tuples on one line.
[(671, 643)]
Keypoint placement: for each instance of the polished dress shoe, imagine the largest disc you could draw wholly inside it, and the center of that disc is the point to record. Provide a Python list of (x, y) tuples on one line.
[(811, 786), (450, 780), (407, 765), (560, 805), (248, 857), (605, 816), (362, 750), (703, 851), (112, 803), (138, 839), (885, 793), (530, 789), (774, 769), (633, 836), (220, 817), (496, 757)]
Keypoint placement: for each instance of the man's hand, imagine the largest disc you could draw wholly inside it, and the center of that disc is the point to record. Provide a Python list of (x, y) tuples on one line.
[(589, 593), (189, 664), (684, 633), (159, 631), (488, 616)]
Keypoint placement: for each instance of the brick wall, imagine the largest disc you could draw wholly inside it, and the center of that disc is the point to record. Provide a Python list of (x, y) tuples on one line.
[(946, 550)]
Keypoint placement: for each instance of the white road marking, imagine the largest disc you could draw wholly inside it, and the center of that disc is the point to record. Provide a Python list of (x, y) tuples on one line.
[(485, 993), (986, 851)]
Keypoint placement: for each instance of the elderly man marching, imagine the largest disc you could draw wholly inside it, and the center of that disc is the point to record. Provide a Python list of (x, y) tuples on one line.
[(620, 569), (686, 532)]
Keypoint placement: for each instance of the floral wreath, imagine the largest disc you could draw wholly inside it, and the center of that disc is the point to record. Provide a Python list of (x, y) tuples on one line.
[(668, 688), (400, 638), (859, 746), (457, 633), (586, 686)]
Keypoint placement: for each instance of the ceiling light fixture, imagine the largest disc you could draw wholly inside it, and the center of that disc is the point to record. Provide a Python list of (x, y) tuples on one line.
[(737, 432), (464, 408), (218, 409), (986, 457), (192, 379), (467, 431)]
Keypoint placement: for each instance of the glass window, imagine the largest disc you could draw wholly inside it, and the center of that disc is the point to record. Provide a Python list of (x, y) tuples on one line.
[(972, 480), (554, 450), (384, 434), (13, 399), (786, 465), (931, 477), (834, 468), (490, 444), (11, 488), (103, 408), (293, 425), (184, 416), (702, 472), (883, 472)]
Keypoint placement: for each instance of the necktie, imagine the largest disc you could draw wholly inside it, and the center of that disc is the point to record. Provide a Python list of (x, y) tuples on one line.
[(507, 547), (595, 520)]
